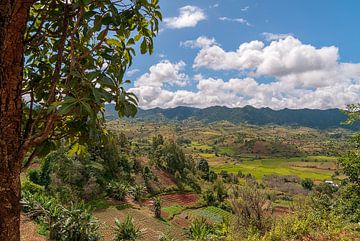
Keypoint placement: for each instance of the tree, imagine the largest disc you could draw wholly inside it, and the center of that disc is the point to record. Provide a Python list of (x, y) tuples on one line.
[(307, 183), (157, 207), (60, 62)]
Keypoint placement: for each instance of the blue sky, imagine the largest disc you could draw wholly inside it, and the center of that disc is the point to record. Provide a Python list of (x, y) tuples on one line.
[(278, 54)]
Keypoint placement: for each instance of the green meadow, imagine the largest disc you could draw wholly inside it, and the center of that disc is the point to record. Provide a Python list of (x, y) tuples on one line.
[(279, 166)]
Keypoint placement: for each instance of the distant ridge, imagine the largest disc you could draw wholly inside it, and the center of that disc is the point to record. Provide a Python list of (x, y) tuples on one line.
[(313, 118)]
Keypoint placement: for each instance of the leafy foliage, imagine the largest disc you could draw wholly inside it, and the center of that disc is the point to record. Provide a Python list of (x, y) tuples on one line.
[(77, 53), (307, 183), (126, 230), (63, 223), (351, 163), (250, 206), (117, 190), (137, 191), (200, 230), (157, 207)]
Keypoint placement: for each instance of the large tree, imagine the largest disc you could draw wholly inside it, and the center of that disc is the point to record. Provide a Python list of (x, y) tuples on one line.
[(60, 62)]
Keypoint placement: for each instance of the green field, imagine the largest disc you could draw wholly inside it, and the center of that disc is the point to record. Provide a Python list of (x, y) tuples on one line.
[(211, 213), (173, 210), (259, 168)]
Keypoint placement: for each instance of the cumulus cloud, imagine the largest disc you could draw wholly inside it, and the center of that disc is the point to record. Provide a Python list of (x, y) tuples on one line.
[(238, 20), (282, 57), (275, 36), (303, 76), (200, 42), (189, 16)]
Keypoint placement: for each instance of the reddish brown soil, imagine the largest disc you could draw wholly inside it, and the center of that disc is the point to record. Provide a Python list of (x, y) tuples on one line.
[(183, 199), (164, 178), (28, 230)]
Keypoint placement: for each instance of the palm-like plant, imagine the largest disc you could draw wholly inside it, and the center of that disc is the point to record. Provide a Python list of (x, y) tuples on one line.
[(137, 192), (126, 230), (200, 230), (117, 190)]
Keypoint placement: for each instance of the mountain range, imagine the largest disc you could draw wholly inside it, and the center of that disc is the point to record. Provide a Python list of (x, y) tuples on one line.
[(313, 118)]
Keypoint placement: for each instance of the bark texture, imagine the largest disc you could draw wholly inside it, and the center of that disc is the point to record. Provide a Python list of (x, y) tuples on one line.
[(13, 18)]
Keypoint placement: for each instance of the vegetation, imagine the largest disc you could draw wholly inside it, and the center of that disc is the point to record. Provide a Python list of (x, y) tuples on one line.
[(126, 230), (76, 56)]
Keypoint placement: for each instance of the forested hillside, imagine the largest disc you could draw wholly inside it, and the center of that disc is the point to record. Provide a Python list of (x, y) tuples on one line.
[(319, 119)]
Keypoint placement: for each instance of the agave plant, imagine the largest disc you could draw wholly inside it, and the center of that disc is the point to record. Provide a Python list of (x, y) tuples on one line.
[(126, 230)]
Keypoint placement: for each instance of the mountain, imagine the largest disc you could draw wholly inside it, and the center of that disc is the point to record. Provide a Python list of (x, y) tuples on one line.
[(313, 118)]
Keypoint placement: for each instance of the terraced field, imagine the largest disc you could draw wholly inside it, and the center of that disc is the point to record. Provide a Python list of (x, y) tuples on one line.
[(143, 218), (211, 213)]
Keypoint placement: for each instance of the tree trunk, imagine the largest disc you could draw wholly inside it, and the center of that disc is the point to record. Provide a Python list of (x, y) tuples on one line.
[(13, 18)]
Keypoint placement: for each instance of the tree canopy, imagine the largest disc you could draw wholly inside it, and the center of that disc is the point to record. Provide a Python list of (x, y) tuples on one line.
[(76, 56)]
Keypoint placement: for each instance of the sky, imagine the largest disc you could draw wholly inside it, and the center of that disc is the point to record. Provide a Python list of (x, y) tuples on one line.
[(265, 53)]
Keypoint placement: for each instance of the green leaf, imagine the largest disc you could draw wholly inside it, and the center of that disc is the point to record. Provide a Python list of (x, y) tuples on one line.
[(143, 47)]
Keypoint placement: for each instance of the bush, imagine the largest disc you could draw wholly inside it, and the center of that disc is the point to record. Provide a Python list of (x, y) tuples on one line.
[(77, 223), (137, 192), (63, 224), (250, 207), (126, 230), (307, 183), (29, 186), (200, 230), (117, 190), (157, 207)]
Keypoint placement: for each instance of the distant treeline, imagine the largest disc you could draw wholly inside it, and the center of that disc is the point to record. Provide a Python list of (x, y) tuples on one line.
[(313, 118)]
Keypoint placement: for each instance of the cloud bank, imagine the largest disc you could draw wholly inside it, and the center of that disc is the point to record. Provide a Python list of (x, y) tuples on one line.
[(301, 76)]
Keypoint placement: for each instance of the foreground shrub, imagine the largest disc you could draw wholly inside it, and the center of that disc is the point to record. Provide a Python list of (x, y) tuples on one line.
[(251, 209), (126, 230), (303, 224), (62, 224), (200, 230), (117, 190), (137, 192)]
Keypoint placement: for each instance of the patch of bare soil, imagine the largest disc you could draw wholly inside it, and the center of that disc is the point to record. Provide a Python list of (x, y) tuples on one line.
[(28, 230), (183, 199)]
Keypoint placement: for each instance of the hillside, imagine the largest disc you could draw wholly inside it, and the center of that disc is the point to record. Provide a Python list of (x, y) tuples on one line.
[(319, 119)]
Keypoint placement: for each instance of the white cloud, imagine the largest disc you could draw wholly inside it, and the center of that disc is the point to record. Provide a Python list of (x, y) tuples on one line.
[(200, 42), (279, 58), (132, 72), (216, 5), (244, 9), (275, 36), (238, 20), (303, 76), (189, 16)]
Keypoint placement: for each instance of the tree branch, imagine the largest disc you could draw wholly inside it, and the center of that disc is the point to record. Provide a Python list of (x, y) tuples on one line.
[(56, 76), (96, 47)]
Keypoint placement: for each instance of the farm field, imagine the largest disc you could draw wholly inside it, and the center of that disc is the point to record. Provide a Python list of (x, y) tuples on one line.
[(195, 170), (292, 166)]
